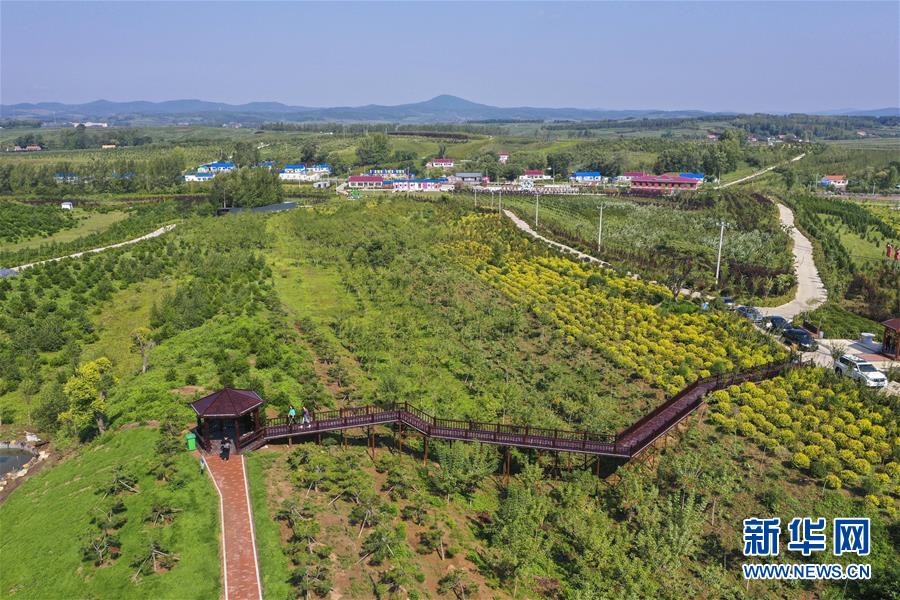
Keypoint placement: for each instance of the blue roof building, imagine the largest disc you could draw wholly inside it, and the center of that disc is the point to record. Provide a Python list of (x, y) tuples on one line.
[(217, 167), (586, 176)]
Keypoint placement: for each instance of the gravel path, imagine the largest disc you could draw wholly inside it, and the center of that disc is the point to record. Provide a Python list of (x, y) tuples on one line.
[(758, 173), (810, 290), (150, 235)]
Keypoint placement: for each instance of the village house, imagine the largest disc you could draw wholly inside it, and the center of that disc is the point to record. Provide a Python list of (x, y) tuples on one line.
[(28, 148), (301, 172), (197, 177), (217, 167), (321, 169), (838, 182), (67, 206), (422, 185), (468, 178), (442, 163), (664, 184), (108, 146), (534, 175), (365, 182), (389, 173), (586, 177), (503, 157), (292, 173)]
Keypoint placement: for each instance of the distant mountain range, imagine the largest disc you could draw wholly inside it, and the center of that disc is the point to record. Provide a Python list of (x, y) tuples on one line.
[(440, 109), (855, 112)]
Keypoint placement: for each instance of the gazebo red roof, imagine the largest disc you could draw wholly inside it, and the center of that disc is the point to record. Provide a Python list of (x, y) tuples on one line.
[(227, 402), (893, 324)]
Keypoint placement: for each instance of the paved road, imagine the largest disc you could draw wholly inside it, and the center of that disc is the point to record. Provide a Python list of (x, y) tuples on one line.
[(150, 235), (810, 290), (758, 173), (240, 567)]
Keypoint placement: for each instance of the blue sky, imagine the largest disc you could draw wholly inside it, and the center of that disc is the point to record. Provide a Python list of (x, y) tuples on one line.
[(757, 56)]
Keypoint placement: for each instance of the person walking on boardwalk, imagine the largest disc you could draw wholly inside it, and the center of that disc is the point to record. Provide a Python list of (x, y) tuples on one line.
[(307, 421), (226, 448), (292, 414)]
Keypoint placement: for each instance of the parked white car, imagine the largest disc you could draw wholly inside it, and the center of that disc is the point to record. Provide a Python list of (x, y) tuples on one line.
[(861, 370)]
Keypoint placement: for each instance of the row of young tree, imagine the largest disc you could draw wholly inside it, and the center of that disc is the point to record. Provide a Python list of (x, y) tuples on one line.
[(160, 173), (81, 138)]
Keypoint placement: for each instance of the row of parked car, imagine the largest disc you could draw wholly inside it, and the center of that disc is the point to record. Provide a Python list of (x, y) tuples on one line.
[(848, 365), (778, 326)]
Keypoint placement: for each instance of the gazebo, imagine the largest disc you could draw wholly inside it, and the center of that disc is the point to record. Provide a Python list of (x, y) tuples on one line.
[(228, 412), (890, 343)]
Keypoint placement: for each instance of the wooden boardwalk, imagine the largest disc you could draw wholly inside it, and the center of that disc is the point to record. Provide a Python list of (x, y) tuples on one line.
[(623, 445)]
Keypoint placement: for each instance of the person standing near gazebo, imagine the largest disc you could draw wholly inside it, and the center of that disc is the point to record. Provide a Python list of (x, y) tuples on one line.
[(226, 448)]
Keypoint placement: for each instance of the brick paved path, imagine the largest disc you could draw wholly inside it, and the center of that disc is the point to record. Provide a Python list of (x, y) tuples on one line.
[(240, 566)]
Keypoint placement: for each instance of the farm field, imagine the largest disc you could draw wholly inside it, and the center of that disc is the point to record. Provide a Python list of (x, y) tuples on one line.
[(420, 300), (87, 223), (593, 302), (98, 229), (849, 242), (658, 237)]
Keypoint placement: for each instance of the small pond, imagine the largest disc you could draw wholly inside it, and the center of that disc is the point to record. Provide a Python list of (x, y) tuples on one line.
[(12, 459)]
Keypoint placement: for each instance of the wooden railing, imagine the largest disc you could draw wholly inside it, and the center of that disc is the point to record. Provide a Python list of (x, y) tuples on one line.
[(625, 444)]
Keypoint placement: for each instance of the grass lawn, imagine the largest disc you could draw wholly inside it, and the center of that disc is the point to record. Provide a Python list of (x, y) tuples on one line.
[(44, 522), (857, 246), (88, 222), (838, 322), (128, 310), (306, 287)]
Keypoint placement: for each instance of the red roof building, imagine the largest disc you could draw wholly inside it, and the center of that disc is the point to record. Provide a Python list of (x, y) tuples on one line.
[(664, 184), (442, 163), (365, 181)]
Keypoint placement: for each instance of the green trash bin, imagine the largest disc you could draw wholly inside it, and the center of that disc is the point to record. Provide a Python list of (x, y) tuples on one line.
[(191, 441)]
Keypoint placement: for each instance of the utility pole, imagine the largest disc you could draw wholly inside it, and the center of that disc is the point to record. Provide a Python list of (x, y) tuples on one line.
[(537, 201), (719, 258), (500, 204), (600, 231), (476, 197)]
